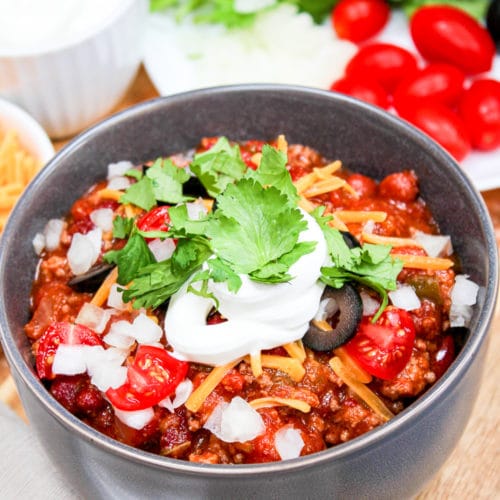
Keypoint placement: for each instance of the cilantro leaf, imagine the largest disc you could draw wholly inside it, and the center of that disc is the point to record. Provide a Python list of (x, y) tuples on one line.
[(181, 225), (167, 181), (219, 166), (220, 272), (141, 194), (157, 282), (131, 258), (253, 226), (122, 226), (272, 171)]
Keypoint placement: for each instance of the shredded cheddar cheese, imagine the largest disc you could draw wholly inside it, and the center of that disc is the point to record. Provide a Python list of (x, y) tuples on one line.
[(198, 396), (424, 262), (271, 401), (361, 390), (102, 293)]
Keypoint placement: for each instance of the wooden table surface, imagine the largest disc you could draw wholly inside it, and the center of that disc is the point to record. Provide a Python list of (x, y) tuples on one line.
[(473, 470)]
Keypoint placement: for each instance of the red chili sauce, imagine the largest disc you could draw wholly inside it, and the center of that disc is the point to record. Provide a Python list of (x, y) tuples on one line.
[(337, 414)]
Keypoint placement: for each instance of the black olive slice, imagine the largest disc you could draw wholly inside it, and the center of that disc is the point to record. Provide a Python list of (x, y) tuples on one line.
[(194, 187), (350, 311), (350, 240), (92, 279)]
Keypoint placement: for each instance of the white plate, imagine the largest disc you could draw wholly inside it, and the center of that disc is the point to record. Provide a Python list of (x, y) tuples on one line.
[(172, 71)]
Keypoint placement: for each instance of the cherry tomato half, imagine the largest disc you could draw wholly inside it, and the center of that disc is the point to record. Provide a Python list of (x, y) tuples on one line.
[(365, 89), (151, 377), (438, 83), (157, 219), (443, 125), (383, 348), (386, 63), (358, 20), (447, 34), (480, 110), (61, 333)]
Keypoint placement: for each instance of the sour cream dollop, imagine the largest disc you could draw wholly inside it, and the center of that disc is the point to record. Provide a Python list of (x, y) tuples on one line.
[(259, 316)]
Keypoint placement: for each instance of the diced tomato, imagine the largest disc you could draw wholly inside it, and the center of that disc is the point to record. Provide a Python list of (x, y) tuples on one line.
[(383, 348), (152, 376), (61, 333)]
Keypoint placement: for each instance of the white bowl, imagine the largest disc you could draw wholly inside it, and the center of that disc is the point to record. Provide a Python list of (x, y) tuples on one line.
[(31, 135), (72, 82)]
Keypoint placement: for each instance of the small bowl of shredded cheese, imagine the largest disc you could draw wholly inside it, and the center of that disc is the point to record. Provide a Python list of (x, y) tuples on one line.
[(24, 150)]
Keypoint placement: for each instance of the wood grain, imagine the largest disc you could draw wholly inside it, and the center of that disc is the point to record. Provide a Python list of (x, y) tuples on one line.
[(473, 470)]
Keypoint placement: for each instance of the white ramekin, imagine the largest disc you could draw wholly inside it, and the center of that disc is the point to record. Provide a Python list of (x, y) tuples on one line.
[(31, 135), (69, 87)]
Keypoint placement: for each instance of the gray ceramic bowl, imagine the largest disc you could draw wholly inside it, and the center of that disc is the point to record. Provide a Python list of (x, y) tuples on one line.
[(393, 461)]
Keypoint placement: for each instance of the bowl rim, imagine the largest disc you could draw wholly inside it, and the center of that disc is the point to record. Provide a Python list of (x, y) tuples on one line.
[(30, 133), (54, 47), (363, 442)]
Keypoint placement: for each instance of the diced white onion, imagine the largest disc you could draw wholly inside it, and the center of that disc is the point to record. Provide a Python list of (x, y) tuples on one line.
[(52, 232), (96, 318), (121, 335), (115, 299), (405, 298), (95, 238), (249, 6), (370, 305), (135, 419), (464, 291), (288, 442), (162, 250), (435, 245), (182, 393), (236, 421), (327, 308), (145, 330), (97, 357), (69, 360), (106, 377), (103, 218), (38, 243), (463, 297), (369, 226), (196, 209), (84, 251), (119, 168), (119, 183)]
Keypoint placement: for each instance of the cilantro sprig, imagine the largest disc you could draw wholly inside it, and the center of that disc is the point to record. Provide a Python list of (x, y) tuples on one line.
[(254, 230), (369, 265)]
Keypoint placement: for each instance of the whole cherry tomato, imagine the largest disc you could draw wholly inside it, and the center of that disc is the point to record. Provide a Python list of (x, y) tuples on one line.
[(364, 89), (447, 34), (480, 110), (443, 125), (437, 82), (383, 348), (151, 377), (61, 333), (386, 63), (358, 20)]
